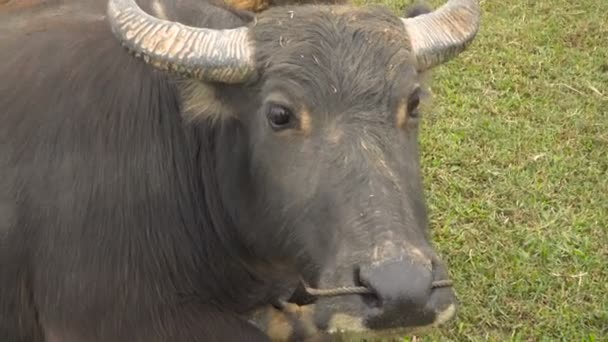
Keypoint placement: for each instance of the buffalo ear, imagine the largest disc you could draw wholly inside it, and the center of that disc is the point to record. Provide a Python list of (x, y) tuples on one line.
[(203, 102)]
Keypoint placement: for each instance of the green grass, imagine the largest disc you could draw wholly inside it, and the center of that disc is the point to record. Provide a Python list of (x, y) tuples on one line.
[(516, 164)]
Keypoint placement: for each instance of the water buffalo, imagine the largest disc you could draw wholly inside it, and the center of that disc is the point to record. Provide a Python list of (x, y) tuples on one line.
[(162, 182)]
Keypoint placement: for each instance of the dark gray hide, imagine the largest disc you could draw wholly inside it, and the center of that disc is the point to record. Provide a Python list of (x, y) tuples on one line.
[(137, 205)]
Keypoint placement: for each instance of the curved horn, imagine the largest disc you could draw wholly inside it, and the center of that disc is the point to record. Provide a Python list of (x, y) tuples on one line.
[(441, 35), (206, 54)]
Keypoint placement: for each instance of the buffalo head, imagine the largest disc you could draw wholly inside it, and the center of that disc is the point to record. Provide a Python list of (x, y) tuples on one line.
[(317, 115)]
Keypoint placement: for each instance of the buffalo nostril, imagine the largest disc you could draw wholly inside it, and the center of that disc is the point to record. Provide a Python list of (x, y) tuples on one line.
[(403, 289), (399, 280), (372, 299)]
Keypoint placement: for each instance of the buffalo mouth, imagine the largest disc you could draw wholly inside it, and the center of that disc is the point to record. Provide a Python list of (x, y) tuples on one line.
[(298, 318)]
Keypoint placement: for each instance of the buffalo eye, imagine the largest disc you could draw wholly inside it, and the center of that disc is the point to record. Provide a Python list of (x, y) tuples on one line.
[(412, 104), (279, 117)]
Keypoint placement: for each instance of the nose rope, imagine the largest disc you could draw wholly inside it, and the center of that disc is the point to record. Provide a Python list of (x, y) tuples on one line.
[(353, 290), (347, 290)]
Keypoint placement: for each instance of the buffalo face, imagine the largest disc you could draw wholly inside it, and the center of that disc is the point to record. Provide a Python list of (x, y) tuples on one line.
[(335, 158)]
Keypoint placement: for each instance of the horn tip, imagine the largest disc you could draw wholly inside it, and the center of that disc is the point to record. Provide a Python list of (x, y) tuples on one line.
[(439, 36)]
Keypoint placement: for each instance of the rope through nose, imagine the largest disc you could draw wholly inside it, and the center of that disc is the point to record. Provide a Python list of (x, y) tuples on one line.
[(354, 290)]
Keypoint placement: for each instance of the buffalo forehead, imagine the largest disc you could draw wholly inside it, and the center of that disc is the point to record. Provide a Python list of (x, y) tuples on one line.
[(310, 21), (340, 57)]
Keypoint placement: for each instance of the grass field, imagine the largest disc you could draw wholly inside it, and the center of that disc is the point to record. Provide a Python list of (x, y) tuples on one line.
[(515, 155), (516, 161)]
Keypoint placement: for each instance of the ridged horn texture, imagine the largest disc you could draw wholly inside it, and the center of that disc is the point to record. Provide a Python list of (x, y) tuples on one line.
[(205, 54), (441, 35)]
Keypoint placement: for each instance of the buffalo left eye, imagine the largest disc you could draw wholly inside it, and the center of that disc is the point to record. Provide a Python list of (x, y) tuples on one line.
[(279, 117)]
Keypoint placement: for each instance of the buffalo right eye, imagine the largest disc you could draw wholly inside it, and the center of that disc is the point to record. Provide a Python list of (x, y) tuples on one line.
[(279, 117), (413, 103)]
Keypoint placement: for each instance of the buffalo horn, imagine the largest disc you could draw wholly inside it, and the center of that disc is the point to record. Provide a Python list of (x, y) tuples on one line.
[(206, 54), (441, 35)]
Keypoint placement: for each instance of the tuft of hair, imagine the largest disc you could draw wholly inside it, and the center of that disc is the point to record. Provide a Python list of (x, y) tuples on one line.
[(417, 9)]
